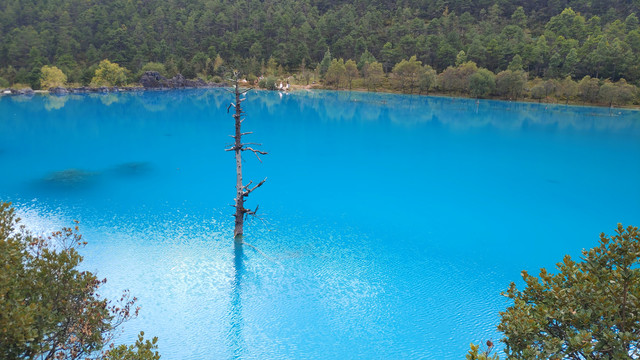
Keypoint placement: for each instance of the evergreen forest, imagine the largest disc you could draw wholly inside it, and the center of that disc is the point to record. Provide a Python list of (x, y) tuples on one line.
[(566, 40)]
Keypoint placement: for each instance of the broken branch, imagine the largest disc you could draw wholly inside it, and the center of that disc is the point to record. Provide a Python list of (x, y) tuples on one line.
[(255, 152), (249, 191)]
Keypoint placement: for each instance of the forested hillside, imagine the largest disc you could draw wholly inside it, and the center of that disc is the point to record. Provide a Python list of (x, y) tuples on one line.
[(553, 38)]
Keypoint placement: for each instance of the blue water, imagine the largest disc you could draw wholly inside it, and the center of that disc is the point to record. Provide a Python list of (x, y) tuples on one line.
[(391, 223)]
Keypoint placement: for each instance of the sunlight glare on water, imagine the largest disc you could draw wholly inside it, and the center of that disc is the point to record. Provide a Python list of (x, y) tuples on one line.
[(392, 222)]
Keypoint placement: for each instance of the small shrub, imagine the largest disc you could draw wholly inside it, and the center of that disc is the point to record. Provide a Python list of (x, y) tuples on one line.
[(268, 83)]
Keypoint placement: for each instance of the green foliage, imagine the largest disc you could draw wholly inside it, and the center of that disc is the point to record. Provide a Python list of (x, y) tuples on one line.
[(51, 77), (475, 353), (588, 310), (141, 350), (336, 73), (351, 71), (457, 79), (325, 63), (407, 73), (48, 308), (366, 58), (567, 89), (109, 74), (516, 63), (588, 89), (537, 89), (510, 83), (3, 82), (482, 83), (551, 39), (373, 75), (461, 58), (427, 79), (268, 83), (618, 93)]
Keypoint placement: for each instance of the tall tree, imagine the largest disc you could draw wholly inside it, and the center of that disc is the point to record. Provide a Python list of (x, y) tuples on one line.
[(351, 71), (373, 75)]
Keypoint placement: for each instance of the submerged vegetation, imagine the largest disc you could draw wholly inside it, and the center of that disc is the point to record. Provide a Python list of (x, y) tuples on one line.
[(564, 51)]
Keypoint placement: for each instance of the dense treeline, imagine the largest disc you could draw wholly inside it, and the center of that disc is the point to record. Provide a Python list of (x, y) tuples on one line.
[(551, 39)]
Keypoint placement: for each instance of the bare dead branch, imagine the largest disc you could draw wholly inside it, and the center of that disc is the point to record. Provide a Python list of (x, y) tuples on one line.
[(249, 191), (255, 151)]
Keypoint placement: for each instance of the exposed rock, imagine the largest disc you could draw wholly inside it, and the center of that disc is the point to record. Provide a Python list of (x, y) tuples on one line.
[(195, 83), (58, 90), (25, 91), (176, 81), (152, 79)]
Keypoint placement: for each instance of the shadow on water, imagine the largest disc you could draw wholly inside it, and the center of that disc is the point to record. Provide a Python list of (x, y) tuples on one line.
[(135, 168), (236, 320)]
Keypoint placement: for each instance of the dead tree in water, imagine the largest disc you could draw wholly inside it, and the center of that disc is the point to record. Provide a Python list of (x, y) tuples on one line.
[(242, 191)]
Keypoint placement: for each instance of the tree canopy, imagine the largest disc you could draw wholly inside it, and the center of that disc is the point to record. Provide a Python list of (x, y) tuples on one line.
[(109, 74), (547, 39), (51, 76)]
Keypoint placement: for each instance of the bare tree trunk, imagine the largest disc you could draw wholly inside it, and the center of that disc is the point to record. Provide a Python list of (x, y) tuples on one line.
[(242, 191), (239, 228)]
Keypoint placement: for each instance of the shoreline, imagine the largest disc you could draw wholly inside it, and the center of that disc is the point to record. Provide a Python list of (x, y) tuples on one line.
[(62, 91), (548, 101)]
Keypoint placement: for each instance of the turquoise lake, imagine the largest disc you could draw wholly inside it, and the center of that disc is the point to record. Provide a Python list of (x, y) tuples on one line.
[(391, 222)]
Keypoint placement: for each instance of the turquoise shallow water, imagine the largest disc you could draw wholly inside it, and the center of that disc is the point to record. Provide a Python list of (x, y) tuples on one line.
[(392, 222)]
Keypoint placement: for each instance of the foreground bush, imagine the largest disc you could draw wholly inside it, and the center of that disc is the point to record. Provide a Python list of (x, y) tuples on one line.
[(589, 310), (51, 310)]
